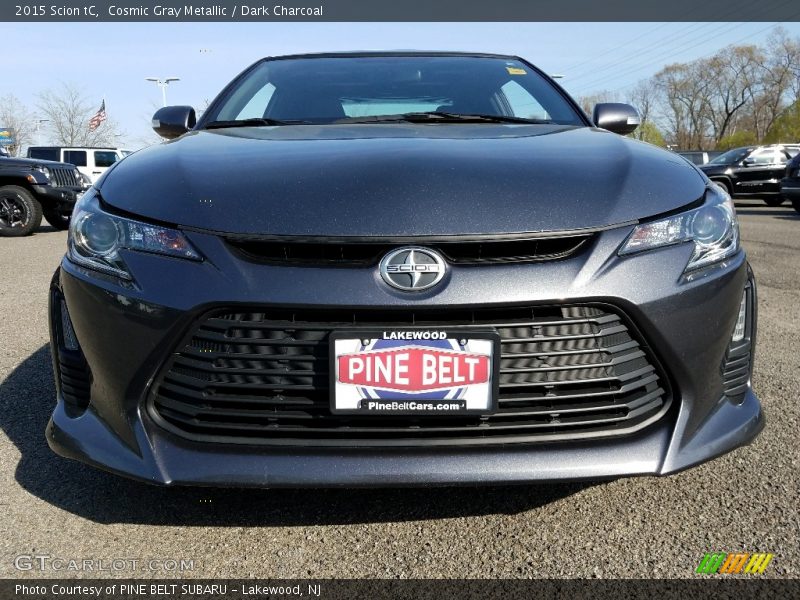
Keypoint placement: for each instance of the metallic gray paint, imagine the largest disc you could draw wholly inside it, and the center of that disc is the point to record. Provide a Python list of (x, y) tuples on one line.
[(449, 179)]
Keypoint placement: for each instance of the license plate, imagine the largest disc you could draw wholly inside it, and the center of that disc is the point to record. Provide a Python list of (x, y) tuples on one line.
[(414, 372)]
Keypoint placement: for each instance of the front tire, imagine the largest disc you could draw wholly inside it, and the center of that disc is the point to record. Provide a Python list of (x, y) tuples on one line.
[(774, 201), (56, 220), (20, 212), (796, 203)]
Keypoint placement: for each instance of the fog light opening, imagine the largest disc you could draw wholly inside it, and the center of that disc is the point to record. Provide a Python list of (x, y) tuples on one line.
[(739, 331), (67, 332)]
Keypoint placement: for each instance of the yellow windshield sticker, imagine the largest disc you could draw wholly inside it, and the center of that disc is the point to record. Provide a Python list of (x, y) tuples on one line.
[(516, 71)]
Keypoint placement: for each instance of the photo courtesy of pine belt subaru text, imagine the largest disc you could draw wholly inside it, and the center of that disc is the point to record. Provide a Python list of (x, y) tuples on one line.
[(384, 269)]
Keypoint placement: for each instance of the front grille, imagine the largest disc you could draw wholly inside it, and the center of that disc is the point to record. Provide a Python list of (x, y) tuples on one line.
[(261, 376), (63, 178), (354, 253)]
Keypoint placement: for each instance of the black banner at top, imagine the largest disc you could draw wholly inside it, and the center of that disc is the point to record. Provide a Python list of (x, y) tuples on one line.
[(397, 10)]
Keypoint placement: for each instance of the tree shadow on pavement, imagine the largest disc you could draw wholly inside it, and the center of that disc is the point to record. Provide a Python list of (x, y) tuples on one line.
[(26, 401)]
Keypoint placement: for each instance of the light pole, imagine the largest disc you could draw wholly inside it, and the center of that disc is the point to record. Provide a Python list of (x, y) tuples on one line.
[(162, 83), (38, 129)]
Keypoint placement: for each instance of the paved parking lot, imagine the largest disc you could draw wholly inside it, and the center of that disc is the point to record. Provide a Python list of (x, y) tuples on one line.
[(644, 527)]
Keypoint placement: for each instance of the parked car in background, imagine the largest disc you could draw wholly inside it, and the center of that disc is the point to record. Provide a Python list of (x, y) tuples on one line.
[(700, 157), (411, 285), (752, 171), (790, 184), (32, 189), (92, 162)]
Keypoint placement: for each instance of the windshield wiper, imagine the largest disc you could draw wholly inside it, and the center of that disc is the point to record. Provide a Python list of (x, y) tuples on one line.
[(258, 122), (442, 117)]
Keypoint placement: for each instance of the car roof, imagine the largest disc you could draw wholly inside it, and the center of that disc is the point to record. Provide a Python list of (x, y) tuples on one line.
[(72, 148)]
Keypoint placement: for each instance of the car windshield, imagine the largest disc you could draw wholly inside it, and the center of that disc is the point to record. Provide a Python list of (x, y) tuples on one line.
[(324, 90), (731, 156)]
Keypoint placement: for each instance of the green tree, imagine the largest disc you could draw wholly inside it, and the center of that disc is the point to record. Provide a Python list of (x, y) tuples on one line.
[(743, 137), (786, 128), (648, 132)]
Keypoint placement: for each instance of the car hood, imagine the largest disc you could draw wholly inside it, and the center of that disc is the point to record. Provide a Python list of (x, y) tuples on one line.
[(400, 180), (32, 162)]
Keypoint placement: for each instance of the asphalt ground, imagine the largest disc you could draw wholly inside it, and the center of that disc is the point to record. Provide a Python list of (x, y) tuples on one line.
[(640, 527)]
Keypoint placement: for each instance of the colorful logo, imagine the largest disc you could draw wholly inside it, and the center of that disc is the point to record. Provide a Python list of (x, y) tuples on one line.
[(724, 563)]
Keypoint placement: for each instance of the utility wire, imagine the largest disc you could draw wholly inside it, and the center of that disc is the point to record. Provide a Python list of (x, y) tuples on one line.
[(671, 54), (670, 43)]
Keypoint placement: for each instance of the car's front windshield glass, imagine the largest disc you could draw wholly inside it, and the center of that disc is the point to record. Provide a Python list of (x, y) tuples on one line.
[(731, 156), (352, 88)]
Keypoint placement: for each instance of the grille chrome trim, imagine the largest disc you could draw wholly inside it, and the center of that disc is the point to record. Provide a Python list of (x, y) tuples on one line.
[(62, 177), (224, 383)]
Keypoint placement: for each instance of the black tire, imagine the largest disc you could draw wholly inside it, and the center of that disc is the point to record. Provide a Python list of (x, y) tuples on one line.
[(56, 219), (796, 203), (20, 212), (774, 201)]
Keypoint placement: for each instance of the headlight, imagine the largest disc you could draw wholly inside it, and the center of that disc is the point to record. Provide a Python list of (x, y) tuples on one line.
[(83, 180), (96, 238), (712, 228), (44, 171)]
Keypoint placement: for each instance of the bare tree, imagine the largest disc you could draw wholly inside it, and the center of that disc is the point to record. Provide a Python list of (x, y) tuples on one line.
[(587, 102), (16, 116), (643, 98), (734, 76), (780, 81), (69, 112), (684, 98), (742, 94)]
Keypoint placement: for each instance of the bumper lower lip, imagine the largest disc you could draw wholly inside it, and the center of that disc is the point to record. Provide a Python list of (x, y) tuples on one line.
[(169, 460)]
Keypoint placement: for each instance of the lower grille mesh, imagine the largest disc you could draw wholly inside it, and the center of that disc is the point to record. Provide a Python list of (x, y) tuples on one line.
[(261, 376)]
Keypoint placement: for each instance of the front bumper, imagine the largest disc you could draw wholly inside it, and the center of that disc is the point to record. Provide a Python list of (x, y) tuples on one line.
[(127, 333), (62, 198)]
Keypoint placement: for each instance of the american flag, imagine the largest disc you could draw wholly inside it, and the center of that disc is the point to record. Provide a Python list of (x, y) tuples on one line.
[(98, 118)]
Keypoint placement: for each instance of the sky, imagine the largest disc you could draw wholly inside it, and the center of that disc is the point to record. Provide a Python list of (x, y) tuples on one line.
[(111, 60)]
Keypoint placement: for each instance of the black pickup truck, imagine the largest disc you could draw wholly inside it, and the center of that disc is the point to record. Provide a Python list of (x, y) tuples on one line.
[(32, 189)]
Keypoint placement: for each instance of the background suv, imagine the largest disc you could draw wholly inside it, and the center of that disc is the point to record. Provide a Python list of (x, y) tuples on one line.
[(790, 184), (92, 162), (32, 189), (752, 171)]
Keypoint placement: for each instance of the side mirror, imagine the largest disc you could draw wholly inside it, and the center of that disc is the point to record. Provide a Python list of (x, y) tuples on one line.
[(618, 118), (748, 162), (173, 121)]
